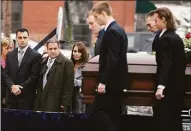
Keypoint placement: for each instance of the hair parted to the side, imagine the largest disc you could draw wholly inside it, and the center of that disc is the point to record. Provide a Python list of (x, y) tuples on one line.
[(164, 12), (81, 48), (102, 6), (52, 41)]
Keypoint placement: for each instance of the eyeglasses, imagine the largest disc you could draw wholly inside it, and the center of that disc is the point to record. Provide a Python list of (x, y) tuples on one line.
[(22, 37)]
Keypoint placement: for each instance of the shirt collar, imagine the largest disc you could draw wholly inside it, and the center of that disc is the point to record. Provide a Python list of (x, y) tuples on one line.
[(51, 59), (162, 32), (108, 23), (24, 49)]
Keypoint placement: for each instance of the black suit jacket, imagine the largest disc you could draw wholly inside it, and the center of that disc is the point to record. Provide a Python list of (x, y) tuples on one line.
[(170, 58), (113, 60), (156, 37), (26, 75), (98, 42)]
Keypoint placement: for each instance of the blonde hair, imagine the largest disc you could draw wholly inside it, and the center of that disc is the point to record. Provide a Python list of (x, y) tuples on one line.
[(90, 13), (102, 6), (6, 42)]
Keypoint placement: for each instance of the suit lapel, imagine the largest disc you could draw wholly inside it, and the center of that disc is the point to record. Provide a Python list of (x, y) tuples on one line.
[(51, 71), (25, 55), (111, 24), (49, 80), (15, 59), (52, 68), (44, 66)]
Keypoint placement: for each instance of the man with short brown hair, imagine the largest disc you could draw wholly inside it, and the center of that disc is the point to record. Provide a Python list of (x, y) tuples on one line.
[(56, 81), (112, 69)]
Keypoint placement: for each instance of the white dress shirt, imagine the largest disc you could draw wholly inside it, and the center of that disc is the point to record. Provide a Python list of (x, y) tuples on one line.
[(108, 23), (49, 64), (162, 32)]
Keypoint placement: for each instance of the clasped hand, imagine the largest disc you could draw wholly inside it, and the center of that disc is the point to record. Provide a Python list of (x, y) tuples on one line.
[(101, 88), (15, 89)]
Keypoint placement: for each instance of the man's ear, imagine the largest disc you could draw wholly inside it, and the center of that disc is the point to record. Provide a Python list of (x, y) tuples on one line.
[(163, 19)]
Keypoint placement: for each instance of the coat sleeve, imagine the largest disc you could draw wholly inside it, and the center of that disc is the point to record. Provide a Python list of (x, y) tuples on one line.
[(68, 84), (165, 55), (112, 56)]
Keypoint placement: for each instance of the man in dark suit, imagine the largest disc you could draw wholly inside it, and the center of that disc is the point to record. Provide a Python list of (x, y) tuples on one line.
[(170, 58), (97, 31), (56, 82), (21, 69), (112, 69)]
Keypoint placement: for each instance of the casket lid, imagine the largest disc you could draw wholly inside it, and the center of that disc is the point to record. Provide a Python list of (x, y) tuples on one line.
[(141, 62), (140, 58)]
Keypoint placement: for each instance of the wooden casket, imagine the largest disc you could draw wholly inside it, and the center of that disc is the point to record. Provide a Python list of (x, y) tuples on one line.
[(141, 75)]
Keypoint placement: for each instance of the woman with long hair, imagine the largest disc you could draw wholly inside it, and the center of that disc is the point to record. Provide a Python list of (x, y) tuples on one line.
[(6, 46), (79, 57)]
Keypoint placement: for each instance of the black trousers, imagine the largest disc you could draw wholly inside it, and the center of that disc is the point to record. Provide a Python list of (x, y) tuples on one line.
[(27, 105), (167, 113), (106, 112)]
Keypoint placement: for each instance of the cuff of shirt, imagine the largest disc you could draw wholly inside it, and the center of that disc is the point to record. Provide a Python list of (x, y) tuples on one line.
[(161, 87), (20, 87)]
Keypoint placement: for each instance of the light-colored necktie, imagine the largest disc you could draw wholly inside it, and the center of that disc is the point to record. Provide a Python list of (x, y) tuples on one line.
[(45, 75), (20, 56)]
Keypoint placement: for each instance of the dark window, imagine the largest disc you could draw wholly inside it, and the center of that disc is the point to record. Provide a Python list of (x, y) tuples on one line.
[(16, 15), (81, 32)]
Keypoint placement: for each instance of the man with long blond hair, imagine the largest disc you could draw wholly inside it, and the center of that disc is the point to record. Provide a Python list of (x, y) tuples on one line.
[(170, 58)]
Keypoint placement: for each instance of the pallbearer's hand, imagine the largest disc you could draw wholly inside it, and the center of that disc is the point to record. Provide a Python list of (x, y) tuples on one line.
[(159, 94)]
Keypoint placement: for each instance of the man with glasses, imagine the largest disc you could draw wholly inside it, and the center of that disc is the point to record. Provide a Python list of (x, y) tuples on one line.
[(22, 64)]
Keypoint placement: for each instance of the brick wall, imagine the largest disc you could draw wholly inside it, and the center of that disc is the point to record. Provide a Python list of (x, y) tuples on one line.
[(40, 17), (123, 12)]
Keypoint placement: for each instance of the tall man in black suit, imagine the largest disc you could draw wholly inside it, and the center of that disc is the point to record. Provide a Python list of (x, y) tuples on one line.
[(112, 69), (21, 69), (170, 58)]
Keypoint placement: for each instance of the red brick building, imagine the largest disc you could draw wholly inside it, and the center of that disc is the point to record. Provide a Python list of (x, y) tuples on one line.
[(40, 17)]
